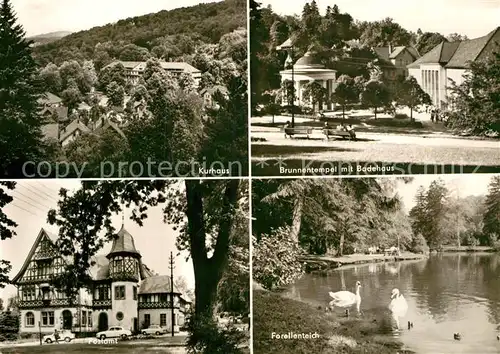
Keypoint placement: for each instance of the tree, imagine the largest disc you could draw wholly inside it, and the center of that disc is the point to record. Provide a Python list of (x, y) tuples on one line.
[(51, 78), (115, 72), (203, 212), (315, 93), (132, 52), (375, 95), (384, 33), (71, 96), (116, 94), (20, 89), (6, 228), (345, 92), (476, 102), (492, 214), (455, 37), (428, 40), (410, 94)]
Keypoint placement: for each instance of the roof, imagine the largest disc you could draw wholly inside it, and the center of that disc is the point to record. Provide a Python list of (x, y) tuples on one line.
[(386, 54), (285, 45), (41, 234), (84, 106), (157, 284), (50, 131), (469, 50), (309, 61), (73, 127), (110, 125), (123, 243), (61, 112), (456, 54), (167, 65), (49, 98)]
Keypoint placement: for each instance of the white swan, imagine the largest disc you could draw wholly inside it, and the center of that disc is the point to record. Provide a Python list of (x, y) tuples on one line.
[(398, 306), (346, 299)]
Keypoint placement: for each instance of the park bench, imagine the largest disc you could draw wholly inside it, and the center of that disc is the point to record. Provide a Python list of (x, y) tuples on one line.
[(304, 131), (335, 132)]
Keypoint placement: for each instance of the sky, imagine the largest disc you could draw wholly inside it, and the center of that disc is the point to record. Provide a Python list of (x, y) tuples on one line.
[(44, 16), (474, 18), (33, 199), (465, 185)]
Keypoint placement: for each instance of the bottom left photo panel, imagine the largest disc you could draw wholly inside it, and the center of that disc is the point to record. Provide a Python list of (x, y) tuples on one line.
[(124, 266)]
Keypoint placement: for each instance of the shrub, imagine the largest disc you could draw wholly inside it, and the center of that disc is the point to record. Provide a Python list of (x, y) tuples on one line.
[(276, 259), (9, 326), (206, 337), (419, 244)]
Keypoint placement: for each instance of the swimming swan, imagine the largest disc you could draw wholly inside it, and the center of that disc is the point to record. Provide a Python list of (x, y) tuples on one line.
[(398, 306), (346, 298)]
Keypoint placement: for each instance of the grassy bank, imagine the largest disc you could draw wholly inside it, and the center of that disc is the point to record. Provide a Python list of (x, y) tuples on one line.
[(466, 249), (366, 334), (314, 262)]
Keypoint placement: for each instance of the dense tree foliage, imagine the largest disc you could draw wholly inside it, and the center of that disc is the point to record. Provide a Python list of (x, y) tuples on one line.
[(476, 102), (20, 89), (410, 94), (492, 214), (6, 228), (166, 34), (442, 218)]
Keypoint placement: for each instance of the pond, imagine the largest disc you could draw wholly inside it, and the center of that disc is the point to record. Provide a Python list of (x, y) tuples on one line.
[(446, 294)]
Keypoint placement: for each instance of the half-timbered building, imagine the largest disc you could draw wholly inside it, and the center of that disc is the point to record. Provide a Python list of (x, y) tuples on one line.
[(123, 289)]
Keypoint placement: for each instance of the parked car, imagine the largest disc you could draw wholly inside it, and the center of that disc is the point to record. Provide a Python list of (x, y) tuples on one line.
[(154, 329), (66, 336), (114, 332)]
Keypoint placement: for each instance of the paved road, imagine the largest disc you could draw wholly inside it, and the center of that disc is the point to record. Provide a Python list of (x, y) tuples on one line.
[(437, 149)]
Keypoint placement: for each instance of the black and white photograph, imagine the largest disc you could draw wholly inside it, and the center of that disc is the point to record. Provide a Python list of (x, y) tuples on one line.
[(121, 88), (374, 87), (124, 266), (376, 265)]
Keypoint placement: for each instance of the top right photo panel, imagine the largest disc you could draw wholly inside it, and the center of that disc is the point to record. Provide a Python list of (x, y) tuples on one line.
[(374, 87)]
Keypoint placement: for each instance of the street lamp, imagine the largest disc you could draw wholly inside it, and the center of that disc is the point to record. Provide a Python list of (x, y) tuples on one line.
[(288, 48)]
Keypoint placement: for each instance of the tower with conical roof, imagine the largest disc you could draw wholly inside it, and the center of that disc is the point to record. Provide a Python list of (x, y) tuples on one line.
[(124, 272)]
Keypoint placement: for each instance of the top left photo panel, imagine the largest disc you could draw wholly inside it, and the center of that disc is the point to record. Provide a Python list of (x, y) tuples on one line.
[(120, 88)]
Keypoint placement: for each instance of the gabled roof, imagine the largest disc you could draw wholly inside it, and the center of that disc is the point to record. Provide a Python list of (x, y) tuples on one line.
[(110, 125), (73, 127), (388, 53), (50, 131), (41, 234), (49, 98), (285, 45), (158, 284), (456, 54), (124, 243), (469, 50), (166, 65), (61, 112)]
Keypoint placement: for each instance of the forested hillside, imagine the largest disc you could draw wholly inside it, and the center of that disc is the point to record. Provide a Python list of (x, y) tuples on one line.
[(166, 34)]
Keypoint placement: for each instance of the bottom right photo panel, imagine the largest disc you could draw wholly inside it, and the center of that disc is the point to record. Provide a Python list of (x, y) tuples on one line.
[(376, 265)]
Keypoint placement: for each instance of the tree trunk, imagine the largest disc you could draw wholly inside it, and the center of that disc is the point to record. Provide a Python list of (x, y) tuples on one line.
[(341, 244), (343, 111), (208, 271), (411, 114), (296, 219), (375, 112)]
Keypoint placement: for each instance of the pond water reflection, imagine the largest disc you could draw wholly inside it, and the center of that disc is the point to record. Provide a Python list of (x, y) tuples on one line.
[(446, 293)]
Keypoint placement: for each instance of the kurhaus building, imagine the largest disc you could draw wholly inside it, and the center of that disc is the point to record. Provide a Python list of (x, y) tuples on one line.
[(125, 292)]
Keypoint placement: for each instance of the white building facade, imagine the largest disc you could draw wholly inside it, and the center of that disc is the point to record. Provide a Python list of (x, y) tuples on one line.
[(449, 61)]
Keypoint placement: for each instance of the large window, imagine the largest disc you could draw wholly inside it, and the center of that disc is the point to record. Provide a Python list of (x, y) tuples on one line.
[(102, 292), (90, 319), (135, 292), (28, 292), (84, 318), (163, 319), (120, 292), (147, 320), (30, 319), (47, 318)]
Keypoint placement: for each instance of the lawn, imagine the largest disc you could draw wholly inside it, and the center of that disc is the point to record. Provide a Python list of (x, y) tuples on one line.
[(356, 335)]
